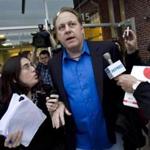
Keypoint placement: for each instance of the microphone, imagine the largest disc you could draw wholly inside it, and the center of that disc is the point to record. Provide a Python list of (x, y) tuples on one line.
[(108, 58), (114, 69)]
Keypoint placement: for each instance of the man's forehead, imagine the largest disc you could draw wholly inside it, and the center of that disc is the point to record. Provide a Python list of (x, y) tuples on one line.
[(66, 17)]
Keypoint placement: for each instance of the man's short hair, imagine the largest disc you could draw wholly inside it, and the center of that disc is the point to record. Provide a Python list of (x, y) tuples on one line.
[(44, 52), (67, 9)]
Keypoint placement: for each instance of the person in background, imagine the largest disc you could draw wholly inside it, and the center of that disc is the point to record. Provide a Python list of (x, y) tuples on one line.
[(19, 76), (87, 108), (42, 69), (140, 89), (132, 56)]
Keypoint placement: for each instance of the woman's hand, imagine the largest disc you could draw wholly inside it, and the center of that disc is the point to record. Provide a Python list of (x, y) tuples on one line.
[(52, 103), (13, 140)]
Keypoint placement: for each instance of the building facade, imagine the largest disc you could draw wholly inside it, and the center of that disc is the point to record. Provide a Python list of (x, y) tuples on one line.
[(115, 15)]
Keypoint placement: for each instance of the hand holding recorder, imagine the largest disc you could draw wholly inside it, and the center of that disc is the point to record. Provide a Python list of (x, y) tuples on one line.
[(52, 101), (57, 110)]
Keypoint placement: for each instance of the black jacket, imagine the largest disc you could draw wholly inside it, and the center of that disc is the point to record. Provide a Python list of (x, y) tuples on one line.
[(142, 95), (110, 94), (46, 138)]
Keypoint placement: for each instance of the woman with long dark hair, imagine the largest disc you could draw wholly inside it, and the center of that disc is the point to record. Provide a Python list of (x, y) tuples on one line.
[(19, 76)]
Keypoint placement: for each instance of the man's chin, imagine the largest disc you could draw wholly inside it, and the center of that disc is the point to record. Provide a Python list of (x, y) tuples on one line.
[(71, 46)]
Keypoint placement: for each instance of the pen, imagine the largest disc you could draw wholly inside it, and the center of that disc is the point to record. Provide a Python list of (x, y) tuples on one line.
[(127, 33)]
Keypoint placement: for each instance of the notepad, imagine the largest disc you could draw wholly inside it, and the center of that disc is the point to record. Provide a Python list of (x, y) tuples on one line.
[(22, 114)]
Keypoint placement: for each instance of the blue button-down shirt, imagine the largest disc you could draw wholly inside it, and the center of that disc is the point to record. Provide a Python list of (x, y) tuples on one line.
[(79, 83)]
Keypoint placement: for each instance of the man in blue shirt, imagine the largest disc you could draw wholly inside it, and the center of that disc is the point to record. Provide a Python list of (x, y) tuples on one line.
[(77, 71)]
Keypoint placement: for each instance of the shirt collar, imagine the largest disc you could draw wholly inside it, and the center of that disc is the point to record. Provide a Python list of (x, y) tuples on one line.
[(85, 50)]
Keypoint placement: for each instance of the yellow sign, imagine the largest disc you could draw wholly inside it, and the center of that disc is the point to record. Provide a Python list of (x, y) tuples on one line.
[(94, 34)]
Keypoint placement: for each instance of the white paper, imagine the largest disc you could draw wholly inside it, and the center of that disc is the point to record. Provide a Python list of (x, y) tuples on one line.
[(22, 115), (142, 73)]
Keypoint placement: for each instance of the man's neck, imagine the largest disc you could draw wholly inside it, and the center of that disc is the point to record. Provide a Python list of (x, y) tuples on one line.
[(75, 52)]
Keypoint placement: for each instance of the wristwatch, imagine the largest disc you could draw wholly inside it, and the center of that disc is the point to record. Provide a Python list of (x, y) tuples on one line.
[(135, 85)]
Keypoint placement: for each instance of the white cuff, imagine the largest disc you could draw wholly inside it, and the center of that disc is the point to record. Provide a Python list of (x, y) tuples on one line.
[(135, 85)]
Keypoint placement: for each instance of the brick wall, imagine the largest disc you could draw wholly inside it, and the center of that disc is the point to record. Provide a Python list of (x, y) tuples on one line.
[(139, 9), (116, 10), (133, 8)]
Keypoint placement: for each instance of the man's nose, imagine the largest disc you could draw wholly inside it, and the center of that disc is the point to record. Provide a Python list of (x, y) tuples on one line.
[(67, 28)]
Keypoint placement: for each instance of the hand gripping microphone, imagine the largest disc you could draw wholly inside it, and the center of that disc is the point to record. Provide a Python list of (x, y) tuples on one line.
[(114, 69)]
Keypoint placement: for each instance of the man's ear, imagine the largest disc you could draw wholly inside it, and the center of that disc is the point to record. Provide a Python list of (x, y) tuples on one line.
[(82, 29)]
